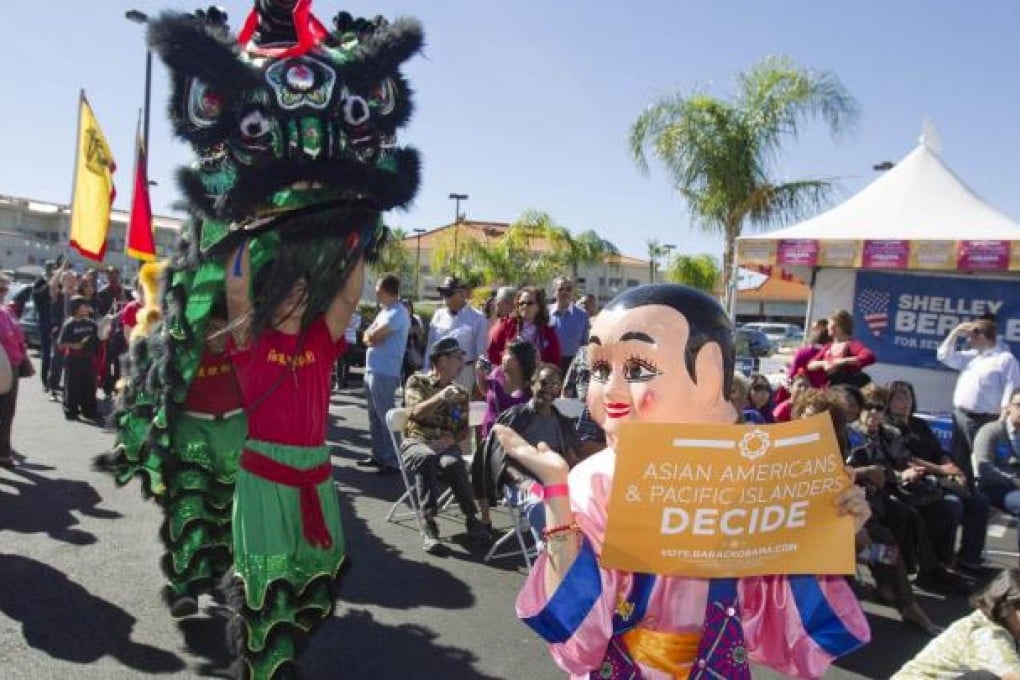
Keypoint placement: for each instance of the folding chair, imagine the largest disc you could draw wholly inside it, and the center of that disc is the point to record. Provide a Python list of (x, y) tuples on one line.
[(511, 500), (396, 420), (571, 408)]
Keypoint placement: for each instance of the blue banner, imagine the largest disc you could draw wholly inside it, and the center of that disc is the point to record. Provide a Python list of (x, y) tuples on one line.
[(903, 319)]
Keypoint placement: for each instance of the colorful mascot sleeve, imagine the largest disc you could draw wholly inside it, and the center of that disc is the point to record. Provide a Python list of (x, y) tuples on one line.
[(664, 353), (293, 125)]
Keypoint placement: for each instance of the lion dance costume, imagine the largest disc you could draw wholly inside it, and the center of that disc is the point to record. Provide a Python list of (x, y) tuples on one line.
[(294, 130)]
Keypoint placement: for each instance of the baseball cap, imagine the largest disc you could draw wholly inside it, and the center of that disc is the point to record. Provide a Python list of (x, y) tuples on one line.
[(444, 346), (451, 284)]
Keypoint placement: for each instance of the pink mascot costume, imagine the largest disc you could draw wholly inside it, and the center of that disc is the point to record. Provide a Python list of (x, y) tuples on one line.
[(664, 353)]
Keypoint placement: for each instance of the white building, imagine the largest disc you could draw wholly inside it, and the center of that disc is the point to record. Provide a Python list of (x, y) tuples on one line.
[(33, 231)]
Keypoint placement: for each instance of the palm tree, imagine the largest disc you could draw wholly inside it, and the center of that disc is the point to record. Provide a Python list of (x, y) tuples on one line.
[(697, 271), (587, 248), (719, 153), (655, 251), (395, 257)]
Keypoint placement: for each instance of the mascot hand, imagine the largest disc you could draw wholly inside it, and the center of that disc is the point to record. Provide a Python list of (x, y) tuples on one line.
[(852, 502), (547, 465)]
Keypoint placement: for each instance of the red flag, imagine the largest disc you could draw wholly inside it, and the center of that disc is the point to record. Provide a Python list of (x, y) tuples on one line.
[(140, 242)]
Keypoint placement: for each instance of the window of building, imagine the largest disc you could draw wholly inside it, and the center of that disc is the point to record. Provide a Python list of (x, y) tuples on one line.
[(632, 283)]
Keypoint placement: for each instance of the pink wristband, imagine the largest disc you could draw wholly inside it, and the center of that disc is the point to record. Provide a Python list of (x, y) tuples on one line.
[(551, 491)]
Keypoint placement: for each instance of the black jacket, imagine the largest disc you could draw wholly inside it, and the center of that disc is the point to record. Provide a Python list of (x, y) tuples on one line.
[(489, 465)]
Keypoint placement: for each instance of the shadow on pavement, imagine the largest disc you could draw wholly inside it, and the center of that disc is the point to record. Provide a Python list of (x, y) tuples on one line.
[(43, 505), (62, 619), (206, 638), (382, 576), (357, 646)]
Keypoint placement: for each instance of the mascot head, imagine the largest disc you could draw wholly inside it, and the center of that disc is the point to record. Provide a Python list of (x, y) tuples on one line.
[(661, 353)]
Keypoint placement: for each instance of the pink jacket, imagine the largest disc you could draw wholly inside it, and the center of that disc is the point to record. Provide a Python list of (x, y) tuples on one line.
[(12, 338)]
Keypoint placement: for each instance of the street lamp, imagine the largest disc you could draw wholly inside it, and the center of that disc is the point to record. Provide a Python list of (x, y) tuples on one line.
[(417, 265), (457, 198), (142, 18)]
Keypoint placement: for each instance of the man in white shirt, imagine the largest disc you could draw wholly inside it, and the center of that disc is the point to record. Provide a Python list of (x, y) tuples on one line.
[(988, 377), (459, 320)]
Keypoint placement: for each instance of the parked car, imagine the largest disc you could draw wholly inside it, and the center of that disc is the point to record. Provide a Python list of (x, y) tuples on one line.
[(30, 324), (780, 334), (751, 342)]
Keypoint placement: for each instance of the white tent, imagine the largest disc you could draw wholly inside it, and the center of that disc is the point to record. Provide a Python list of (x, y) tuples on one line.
[(916, 219)]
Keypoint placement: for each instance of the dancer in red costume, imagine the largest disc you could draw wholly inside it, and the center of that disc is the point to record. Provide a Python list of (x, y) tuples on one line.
[(288, 541)]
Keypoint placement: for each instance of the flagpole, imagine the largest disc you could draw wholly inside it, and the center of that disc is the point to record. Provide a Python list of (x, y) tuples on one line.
[(131, 208), (74, 168)]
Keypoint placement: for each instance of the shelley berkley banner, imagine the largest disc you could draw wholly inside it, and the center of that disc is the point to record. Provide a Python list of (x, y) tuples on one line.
[(729, 500), (903, 319)]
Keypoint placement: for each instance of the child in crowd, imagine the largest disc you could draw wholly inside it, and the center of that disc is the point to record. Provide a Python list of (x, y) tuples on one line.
[(79, 341), (980, 645)]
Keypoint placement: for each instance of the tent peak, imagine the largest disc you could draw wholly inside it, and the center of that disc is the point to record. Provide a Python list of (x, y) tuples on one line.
[(930, 139)]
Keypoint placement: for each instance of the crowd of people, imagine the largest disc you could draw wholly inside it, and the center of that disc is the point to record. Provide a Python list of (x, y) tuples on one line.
[(84, 322), (929, 506)]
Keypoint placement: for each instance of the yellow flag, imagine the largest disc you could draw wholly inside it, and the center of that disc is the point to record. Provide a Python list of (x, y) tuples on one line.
[(93, 187)]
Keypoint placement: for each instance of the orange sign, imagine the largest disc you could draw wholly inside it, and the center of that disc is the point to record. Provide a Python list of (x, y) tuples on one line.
[(729, 500)]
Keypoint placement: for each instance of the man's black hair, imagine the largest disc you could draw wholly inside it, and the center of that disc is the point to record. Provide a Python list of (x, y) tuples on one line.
[(390, 283), (706, 319)]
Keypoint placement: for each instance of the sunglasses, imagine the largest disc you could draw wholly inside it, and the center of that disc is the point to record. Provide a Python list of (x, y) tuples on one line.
[(564, 290), (875, 407), (526, 303)]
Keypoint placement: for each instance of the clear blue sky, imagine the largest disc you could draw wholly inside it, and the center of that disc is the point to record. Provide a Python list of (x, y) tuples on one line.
[(527, 104)]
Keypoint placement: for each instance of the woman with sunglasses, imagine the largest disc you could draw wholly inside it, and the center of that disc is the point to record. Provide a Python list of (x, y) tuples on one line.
[(875, 544), (530, 321), (923, 522)]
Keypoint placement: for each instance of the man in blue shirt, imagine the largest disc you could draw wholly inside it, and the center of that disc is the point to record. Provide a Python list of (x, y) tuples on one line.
[(569, 321), (386, 339)]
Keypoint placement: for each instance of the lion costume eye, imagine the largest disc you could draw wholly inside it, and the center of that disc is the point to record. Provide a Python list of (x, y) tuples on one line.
[(255, 124), (204, 104), (355, 110)]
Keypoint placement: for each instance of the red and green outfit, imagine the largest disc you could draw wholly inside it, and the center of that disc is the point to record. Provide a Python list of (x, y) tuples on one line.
[(288, 540), (208, 434)]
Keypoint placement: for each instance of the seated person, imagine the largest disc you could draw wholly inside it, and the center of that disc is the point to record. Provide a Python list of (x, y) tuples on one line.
[(759, 397), (926, 452), (923, 522), (738, 397), (982, 644), (590, 436), (876, 546), (509, 383), (999, 481), (782, 411), (536, 421), (437, 421), (852, 403)]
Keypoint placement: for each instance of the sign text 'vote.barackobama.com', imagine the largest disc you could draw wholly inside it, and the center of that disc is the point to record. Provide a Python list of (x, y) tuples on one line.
[(904, 319)]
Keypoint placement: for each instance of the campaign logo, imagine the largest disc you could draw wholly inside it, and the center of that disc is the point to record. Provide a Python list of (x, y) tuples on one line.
[(874, 307)]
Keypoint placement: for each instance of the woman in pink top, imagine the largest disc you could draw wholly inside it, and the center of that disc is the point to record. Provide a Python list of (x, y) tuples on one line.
[(843, 359), (13, 341), (818, 338), (664, 353)]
